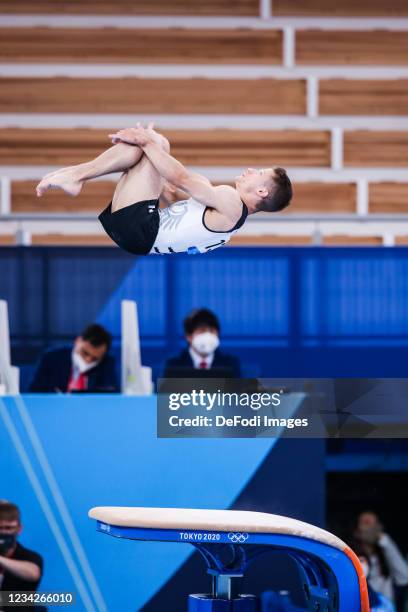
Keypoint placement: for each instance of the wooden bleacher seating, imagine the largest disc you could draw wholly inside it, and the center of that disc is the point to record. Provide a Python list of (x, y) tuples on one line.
[(281, 8), (325, 198), (238, 240), (363, 97), (388, 198), (95, 196), (128, 46), (179, 96), (371, 47), (54, 147), (132, 7), (401, 241), (372, 148), (193, 147), (103, 240), (252, 147), (196, 95), (344, 8), (351, 240), (71, 240), (137, 95), (268, 241), (309, 198), (7, 240)]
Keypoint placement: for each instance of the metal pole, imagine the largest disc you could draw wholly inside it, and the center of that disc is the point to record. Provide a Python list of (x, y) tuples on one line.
[(223, 587)]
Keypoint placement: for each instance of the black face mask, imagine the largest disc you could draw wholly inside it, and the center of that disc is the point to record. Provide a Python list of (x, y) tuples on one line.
[(7, 541)]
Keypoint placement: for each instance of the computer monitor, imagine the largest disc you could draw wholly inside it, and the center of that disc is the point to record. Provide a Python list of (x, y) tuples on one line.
[(9, 375), (136, 379), (189, 372)]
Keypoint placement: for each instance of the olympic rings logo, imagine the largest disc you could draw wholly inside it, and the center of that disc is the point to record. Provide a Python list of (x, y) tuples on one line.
[(238, 538)]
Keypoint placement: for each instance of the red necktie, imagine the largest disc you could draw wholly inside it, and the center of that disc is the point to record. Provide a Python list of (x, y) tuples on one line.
[(77, 385), (203, 365)]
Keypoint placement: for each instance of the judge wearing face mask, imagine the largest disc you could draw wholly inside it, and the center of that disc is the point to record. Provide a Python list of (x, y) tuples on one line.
[(20, 568), (202, 332), (86, 366)]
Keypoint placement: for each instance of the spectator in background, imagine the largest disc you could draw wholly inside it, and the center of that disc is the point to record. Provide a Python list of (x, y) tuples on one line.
[(85, 367), (20, 568), (388, 570), (202, 332), (378, 602)]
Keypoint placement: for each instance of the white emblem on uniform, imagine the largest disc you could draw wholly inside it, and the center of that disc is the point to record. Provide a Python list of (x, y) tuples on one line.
[(171, 216)]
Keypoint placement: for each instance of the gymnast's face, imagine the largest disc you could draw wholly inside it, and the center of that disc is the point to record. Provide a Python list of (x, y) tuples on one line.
[(254, 182)]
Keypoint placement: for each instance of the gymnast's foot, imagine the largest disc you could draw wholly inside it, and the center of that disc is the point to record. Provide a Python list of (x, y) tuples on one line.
[(64, 179)]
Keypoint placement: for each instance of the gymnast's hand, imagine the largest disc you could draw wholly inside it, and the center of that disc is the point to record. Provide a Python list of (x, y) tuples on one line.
[(135, 136)]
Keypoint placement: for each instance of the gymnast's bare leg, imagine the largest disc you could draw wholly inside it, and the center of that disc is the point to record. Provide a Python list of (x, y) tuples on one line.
[(119, 158)]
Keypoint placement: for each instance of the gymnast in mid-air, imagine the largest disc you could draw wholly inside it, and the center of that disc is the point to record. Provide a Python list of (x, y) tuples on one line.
[(135, 220)]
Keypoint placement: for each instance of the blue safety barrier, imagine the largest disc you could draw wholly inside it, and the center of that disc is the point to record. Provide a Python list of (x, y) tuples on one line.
[(284, 312)]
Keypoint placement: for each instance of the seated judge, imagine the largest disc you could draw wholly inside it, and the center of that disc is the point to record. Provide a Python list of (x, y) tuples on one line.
[(202, 332), (86, 366), (20, 568)]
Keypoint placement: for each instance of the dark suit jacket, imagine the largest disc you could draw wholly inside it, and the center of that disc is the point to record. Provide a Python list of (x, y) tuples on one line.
[(54, 371), (220, 361)]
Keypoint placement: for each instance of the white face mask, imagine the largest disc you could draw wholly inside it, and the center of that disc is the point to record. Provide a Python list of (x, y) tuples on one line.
[(80, 364), (205, 343)]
